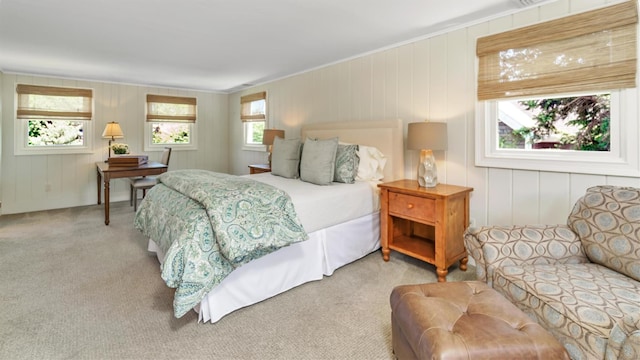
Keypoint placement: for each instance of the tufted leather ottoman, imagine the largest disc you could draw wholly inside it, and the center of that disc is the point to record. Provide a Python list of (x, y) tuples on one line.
[(464, 320)]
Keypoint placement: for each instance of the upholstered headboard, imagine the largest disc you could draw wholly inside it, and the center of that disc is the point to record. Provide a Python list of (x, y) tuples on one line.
[(386, 135)]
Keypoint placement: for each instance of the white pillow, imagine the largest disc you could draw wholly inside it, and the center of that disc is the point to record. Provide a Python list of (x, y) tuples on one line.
[(372, 162)]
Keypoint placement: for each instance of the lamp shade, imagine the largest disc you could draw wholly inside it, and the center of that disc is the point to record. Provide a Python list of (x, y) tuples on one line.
[(269, 134), (427, 135), (112, 131)]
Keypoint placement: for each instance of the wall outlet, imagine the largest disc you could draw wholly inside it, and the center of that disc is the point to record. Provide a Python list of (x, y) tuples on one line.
[(472, 222)]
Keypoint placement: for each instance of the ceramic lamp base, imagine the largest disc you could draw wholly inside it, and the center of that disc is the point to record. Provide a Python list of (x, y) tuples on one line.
[(427, 171)]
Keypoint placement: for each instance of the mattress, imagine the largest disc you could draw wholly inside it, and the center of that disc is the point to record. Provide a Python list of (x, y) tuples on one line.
[(320, 207)]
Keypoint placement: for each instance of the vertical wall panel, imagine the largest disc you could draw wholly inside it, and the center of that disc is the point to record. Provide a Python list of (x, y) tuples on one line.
[(581, 182), (499, 197), (404, 85), (623, 181), (421, 64), (525, 197), (438, 80), (554, 199), (344, 92), (438, 91), (391, 73), (457, 122), (378, 86), (361, 70), (476, 177)]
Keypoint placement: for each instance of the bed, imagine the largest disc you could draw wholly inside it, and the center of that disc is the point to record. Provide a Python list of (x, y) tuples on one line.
[(336, 234)]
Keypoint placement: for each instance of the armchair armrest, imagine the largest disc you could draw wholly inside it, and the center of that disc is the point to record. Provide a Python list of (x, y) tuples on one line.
[(625, 337), (492, 247)]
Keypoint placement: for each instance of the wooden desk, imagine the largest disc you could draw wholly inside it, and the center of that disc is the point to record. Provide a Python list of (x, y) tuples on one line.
[(106, 173), (425, 223)]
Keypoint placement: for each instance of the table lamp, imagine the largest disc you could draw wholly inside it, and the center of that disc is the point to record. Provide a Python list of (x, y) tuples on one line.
[(267, 139), (427, 137), (112, 131)]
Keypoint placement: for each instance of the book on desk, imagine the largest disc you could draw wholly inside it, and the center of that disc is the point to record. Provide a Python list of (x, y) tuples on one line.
[(128, 160)]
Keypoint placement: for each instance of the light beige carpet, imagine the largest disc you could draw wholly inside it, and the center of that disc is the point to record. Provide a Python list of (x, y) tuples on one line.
[(73, 288)]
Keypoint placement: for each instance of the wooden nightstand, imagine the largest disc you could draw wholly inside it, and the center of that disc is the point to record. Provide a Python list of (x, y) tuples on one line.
[(259, 168), (425, 223)]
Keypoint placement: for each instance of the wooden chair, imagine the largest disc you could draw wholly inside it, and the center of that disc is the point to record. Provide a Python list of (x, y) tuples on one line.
[(145, 182)]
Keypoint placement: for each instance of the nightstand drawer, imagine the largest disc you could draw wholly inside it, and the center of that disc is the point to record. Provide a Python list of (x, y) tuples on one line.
[(412, 206)]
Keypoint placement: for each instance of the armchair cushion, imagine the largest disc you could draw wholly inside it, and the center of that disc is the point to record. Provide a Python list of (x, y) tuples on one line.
[(493, 247), (607, 220), (576, 303)]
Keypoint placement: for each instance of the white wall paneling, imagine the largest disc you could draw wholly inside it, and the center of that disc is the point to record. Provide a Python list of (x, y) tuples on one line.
[(39, 182), (430, 79), (525, 201)]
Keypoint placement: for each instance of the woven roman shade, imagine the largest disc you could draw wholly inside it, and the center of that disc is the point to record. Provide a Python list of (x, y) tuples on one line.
[(171, 108), (590, 51), (56, 103), (247, 113)]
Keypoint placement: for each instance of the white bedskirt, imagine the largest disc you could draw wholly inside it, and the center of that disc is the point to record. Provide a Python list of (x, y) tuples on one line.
[(325, 251)]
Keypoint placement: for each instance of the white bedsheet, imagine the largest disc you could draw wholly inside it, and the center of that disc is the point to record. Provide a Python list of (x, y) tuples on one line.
[(326, 250), (319, 207)]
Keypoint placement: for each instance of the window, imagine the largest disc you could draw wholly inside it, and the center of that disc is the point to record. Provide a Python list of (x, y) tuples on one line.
[(171, 121), (53, 120), (530, 78), (253, 109)]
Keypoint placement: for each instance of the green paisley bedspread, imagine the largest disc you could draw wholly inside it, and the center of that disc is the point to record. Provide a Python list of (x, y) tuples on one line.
[(210, 223)]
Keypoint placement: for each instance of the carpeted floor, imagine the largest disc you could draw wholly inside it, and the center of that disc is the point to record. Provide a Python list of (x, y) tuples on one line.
[(73, 288)]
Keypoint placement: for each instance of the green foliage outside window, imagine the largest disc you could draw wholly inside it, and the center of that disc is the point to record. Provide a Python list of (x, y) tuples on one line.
[(55, 132), (170, 133), (257, 132), (589, 115)]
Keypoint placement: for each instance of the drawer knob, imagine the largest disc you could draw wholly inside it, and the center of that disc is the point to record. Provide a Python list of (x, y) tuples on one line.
[(409, 206)]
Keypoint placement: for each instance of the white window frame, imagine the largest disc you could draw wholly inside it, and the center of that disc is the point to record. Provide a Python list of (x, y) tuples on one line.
[(21, 141), (252, 147), (621, 160)]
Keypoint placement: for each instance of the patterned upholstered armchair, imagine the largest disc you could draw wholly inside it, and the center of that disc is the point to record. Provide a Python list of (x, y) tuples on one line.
[(581, 281)]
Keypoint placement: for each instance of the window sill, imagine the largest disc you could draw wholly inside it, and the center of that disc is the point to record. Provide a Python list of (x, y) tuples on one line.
[(560, 161), (174, 147), (51, 151)]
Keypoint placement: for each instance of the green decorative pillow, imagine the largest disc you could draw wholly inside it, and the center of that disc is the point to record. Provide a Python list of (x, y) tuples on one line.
[(285, 158), (317, 164), (347, 162)]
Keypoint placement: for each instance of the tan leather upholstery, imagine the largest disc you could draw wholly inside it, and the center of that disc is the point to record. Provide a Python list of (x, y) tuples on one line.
[(464, 320)]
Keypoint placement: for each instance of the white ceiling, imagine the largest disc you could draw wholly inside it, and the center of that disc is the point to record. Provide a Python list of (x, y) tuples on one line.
[(216, 45)]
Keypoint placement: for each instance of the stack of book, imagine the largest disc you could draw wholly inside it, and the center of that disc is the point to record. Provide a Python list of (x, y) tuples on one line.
[(128, 160)]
